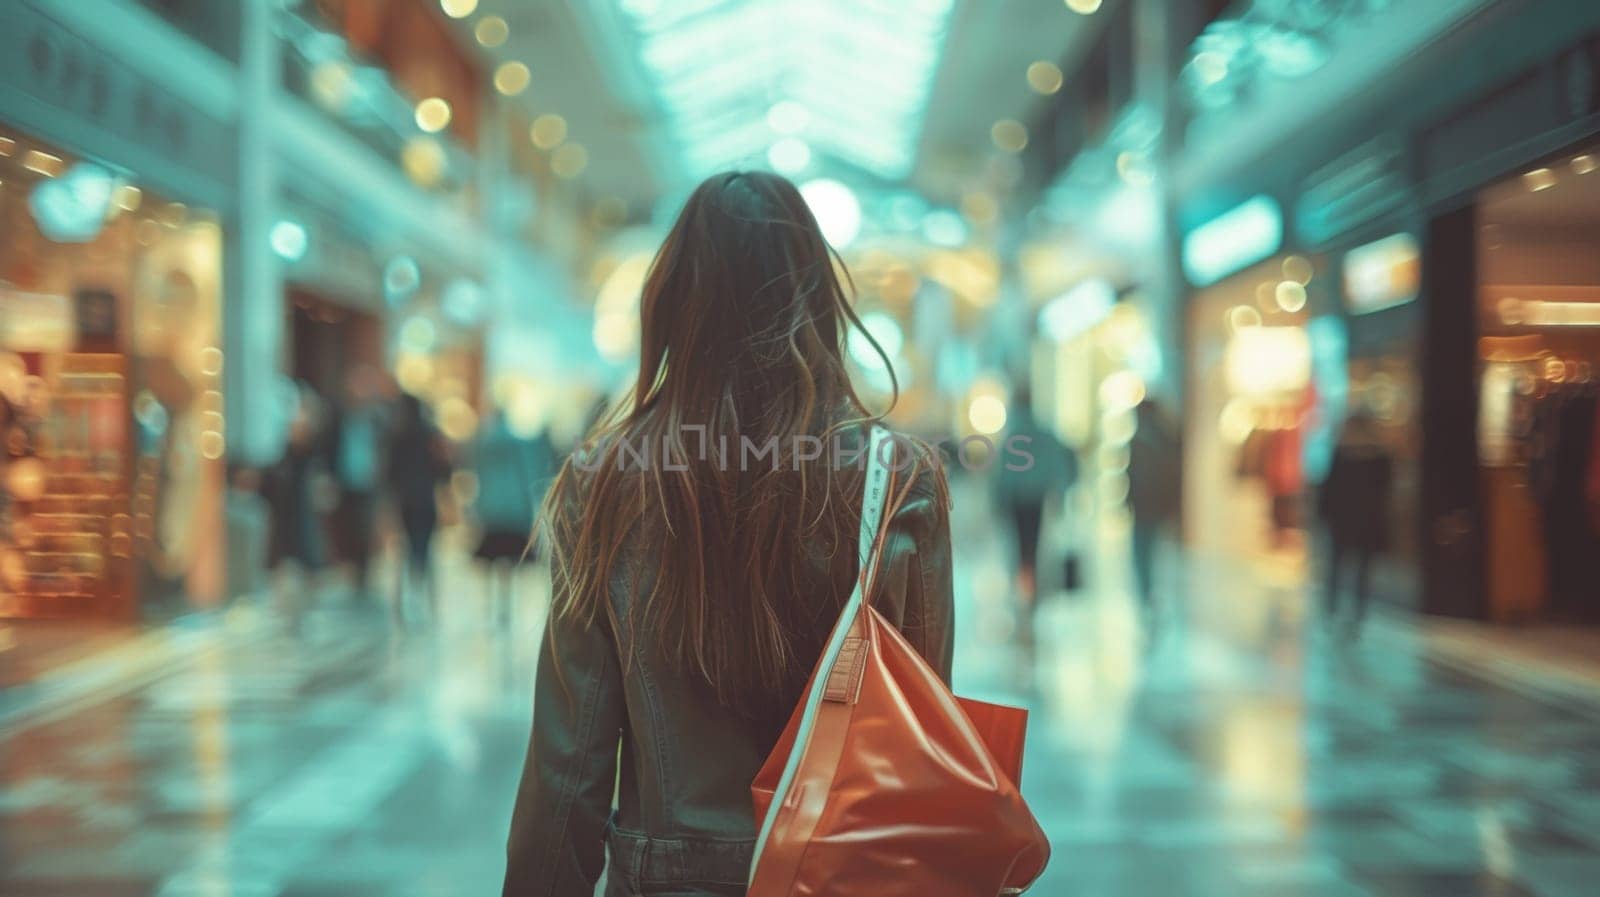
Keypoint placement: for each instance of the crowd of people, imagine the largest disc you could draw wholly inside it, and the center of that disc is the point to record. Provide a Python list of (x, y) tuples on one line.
[(1352, 507), (369, 470), (368, 474)]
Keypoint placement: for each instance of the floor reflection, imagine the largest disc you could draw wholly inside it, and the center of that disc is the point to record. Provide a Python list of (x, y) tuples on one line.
[(1242, 749)]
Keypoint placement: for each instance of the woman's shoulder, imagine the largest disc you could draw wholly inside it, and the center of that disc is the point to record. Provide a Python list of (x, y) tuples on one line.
[(920, 466)]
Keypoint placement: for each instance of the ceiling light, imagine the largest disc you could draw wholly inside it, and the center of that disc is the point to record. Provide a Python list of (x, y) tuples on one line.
[(943, 227), (569, 161), (1539, 179), (1210, 67), (73, 207), (548, 131), (1078, 310), (987, 414), (883, 330), (40, 162), (789, 155), (463, 301), (788, 117), (1584, 164), (1134, 168), (1009, 135), (709, 62), (1243, 317), (1298, 269), (836, 208), (332, 83), (433, 114), (401, 277), (1290, 295), (492, 31), (289, 240), (1241, 236), (128, 197), (418, 334), (511, 78), (1044, 77), (423, 160), (980, 207), (458, 9), (1084, 7)]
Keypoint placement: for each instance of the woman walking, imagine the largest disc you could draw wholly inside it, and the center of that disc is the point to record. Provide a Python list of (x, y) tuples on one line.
[(703, 543)]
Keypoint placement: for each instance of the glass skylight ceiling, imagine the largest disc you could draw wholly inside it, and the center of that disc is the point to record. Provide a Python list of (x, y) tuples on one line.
[(849, 78)]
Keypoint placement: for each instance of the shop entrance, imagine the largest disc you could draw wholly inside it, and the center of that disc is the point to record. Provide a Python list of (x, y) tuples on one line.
[(1539, 389), (1254, 407), (329, 340)]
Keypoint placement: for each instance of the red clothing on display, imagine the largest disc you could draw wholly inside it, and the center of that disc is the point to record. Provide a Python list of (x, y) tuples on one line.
[(1283, 468)]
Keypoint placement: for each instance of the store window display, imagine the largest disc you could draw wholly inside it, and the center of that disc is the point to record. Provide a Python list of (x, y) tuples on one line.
[(1539, 389), (109, 298), (1255, 412)]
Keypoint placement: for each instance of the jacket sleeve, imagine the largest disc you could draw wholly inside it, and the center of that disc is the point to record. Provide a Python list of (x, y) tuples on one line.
[(918, 587), (557, 848)]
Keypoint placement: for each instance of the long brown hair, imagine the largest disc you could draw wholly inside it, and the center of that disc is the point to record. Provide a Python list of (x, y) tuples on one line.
[(743, 326)]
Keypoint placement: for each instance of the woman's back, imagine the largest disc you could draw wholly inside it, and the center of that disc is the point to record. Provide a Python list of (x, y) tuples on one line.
[(687, 759), (702, 546)]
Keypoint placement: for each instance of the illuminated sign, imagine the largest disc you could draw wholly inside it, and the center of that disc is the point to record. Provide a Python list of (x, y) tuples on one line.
[(1382, 274), (1077, 310), (1263, 361), (73, 208), (1546, 313), (1241, 236)]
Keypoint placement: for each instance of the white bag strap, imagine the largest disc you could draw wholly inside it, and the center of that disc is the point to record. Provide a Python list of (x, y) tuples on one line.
[(880, 460), (874, 497)]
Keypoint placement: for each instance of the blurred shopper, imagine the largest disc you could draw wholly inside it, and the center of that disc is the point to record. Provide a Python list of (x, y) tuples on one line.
[(418, 462), (512, 475), (693, 593), (1154, 496), (249, 531), (292, 488), (1354, 504), (1024, 489), (357, 436), (1282, 473)]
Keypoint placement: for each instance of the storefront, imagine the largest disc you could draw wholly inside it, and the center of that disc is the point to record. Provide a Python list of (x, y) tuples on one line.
[(114, 191), (1379, 273), (1507, 246), (1397, 206), (1255, 409), (1266, 385), (110, 334), (1359, 212), (1538, 313)]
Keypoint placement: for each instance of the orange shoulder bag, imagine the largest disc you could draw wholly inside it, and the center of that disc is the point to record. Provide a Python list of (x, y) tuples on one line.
[(884, 783)]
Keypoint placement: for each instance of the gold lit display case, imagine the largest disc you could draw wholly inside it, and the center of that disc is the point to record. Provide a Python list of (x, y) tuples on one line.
[(111, 373)]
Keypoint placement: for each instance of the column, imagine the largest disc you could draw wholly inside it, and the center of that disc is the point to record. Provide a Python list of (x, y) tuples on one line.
[(253, 314)]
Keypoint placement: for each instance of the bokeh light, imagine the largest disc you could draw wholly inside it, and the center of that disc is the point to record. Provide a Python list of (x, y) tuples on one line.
[(512, 78), (836, 208)]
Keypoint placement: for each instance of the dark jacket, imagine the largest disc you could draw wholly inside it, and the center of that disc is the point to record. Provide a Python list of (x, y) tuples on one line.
[(1354, 499), (1053, 466), (684, 824), (418, 462), (1155, 484)]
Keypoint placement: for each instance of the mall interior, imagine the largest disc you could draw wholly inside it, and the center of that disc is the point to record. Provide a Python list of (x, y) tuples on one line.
[(1328, 269)]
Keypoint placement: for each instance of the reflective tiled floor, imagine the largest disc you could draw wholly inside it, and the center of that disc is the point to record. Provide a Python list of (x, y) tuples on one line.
[(1242, 751)]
